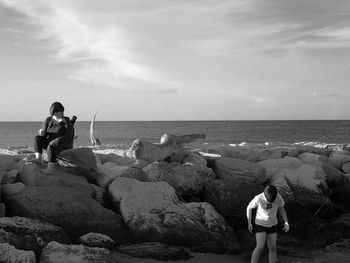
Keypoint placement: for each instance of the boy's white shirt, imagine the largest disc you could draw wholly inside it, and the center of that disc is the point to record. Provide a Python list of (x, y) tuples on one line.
[(266, 214)]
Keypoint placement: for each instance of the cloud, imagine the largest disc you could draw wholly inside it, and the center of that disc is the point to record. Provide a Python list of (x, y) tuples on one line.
[(101, 52)]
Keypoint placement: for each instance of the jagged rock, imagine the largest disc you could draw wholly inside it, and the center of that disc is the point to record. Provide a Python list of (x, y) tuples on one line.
[(342, 225), (9, 254), (169, 145), (29, 234), (10, 177), (273, 166), (75, 212), (157, 250), (31, 175), (312, 158), (56, 253), (340, 247), (186, 179), (229, 200), (9, 162), (114, 158), (9, 189), (153, 212), (334, 177), (97, 240), (237, 169)]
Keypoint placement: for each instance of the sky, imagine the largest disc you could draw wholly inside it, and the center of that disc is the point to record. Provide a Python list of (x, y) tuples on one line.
[(175, 59)]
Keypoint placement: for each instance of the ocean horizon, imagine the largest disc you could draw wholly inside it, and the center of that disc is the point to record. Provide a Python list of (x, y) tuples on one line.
[(120, 134)]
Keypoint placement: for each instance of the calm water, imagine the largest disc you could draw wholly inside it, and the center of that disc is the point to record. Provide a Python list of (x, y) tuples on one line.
[(121, 134)]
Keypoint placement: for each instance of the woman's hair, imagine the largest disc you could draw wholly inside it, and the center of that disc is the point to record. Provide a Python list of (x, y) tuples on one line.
[(56, 107), (270, 193)]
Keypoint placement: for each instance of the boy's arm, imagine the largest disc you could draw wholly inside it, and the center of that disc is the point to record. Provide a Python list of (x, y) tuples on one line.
[(249, 217), (283, 214)]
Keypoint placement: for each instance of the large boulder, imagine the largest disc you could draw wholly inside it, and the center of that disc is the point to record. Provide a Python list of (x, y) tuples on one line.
[(75, 212), (31, 175), (9, 189), (153, 212), (237, 169), (337, 159), (312, 158), (108, 171), (229, 200), (8, 163), (83, 159), (56, 253), (273, 166), (10, 254), (305, 185), (29, 234), (341, 196), (346, 168), (187, 179)]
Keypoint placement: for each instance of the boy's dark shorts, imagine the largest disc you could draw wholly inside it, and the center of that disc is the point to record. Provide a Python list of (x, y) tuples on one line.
[(268, 230)]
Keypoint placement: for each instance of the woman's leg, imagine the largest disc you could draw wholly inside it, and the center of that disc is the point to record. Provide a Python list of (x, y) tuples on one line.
[(271, 243), (52, 153), (40, 143), (260, 244)]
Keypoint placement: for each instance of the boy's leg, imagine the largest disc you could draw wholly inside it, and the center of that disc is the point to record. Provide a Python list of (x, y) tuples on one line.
[(260, 244), (271, 243)]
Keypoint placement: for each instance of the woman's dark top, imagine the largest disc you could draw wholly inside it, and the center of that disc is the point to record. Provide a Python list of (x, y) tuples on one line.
[(63, 131)]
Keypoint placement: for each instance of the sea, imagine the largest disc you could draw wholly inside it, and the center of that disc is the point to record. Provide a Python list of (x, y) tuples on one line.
[(120, 134)]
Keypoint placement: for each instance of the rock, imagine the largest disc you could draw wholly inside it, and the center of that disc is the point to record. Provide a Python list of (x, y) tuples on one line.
[(83, 159), (29, 234), (305, 185), (10, 189), (342, 225), (314, 150), (273, 166), (346, 168), (97, 240), (194, 158), (237, 169), (10, 254), (9, 162), (10, 177), (186, 179), (2, 210), (114, 158), (99, 194), (136, 174), (229, 200), (312, 158), (157, 250), (341, 195), (109, 171), (334, 177), (56, 253), (337, 159), (153, 212), (75, 212), (255, 154), (31, 175), (340, 247), (217, 247)]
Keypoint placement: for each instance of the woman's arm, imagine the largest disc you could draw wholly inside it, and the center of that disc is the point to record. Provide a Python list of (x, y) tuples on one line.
[(69, 130), (43, 130)]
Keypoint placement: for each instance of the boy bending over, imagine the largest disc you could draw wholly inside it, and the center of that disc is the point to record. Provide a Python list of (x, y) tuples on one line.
[(267, 204)]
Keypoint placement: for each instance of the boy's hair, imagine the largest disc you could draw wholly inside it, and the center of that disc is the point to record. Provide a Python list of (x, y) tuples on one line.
[(56, 107), (270, 193)]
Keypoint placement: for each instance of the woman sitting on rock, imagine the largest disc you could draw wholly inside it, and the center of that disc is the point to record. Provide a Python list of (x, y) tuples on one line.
[(56, 135)]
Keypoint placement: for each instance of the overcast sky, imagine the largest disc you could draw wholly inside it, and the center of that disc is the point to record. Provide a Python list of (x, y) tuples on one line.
[(175, 59)]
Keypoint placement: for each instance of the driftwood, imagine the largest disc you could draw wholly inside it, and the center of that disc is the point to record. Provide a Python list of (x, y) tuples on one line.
[(94, 141), (169, 145)]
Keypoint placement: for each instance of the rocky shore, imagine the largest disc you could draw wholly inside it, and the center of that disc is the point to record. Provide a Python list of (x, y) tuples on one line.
[(100, 204)]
